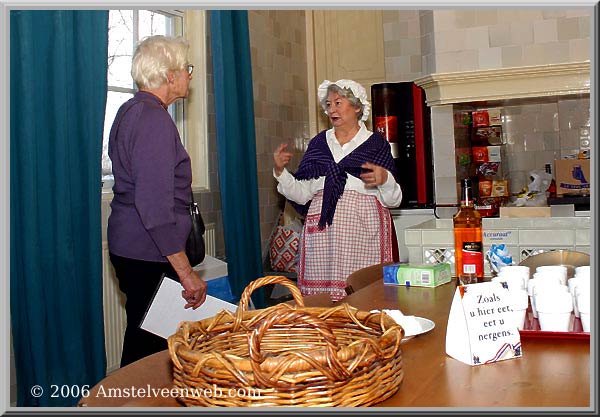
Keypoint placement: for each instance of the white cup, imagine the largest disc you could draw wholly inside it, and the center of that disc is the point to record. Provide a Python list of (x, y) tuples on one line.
[(583, 302), (582, 270), (518, 302), (554, 308), (516, 270), (572, 284), (541, 280), (559, 270)]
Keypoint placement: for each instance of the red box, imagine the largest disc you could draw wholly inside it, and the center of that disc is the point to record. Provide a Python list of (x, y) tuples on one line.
[(481, 118), (480, 154)]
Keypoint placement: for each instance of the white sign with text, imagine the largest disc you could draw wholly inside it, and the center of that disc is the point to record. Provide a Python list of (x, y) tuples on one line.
[(480, 329)]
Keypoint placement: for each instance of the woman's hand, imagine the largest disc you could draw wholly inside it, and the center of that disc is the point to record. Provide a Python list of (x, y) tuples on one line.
[(281, 158), (194, 290), (194, 287), (373, 175)]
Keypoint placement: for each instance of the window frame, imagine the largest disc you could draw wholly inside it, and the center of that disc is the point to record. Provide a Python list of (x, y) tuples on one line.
[(191, 115)]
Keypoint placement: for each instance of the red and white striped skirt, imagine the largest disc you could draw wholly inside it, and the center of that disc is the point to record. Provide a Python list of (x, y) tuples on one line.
[(360, 236)]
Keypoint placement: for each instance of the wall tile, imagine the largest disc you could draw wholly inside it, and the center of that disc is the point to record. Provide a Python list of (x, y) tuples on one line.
[(545, 31), (486, 17), (447, 62), (533, 54), (499, 35), (490, 58), (556, 52), (444, 20), (449, 41), (579, 50), (465, 18), (477, 38), (468, 60), (534, 141), (521, 33), (551, 141), (568, 28), (512, 56)]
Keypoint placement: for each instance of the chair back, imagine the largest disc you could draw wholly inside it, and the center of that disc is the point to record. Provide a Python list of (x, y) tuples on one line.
[(363, 277)]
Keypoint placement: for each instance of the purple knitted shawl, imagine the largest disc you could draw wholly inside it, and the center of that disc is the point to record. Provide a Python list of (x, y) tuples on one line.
[(318, 161)]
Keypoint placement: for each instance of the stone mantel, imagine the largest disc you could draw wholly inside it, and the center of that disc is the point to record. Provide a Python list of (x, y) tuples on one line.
[(507, 83)]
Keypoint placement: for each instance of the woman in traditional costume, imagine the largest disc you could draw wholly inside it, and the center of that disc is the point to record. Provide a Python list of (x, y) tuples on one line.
[(344, 187)]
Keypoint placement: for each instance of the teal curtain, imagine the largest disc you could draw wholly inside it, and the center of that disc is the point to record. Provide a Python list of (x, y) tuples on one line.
[(58, 67), (236, 147)]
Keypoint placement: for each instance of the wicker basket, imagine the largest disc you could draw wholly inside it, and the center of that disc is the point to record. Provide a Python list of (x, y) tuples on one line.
[(287, 355)]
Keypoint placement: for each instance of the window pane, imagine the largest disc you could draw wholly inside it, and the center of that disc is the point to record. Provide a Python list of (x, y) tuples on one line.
[(120, 48), (152, 23), (113, 102)]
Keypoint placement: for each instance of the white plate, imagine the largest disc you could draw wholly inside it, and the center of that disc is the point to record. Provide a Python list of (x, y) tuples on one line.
[(426, 326), (412, 325)]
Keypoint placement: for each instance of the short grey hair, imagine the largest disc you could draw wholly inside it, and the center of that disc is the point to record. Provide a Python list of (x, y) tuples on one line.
[(154, 56), (346, 93)]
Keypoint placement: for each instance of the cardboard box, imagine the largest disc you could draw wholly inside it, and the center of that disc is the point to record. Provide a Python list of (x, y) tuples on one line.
[(480, 154), (494, 153), (525, 212), (500, 188), (423, 275), (572, 176), (487, 153), (495, 116), (481, 118)]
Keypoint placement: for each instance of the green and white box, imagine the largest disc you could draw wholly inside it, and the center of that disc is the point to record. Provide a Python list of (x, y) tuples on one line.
[(423, 275)]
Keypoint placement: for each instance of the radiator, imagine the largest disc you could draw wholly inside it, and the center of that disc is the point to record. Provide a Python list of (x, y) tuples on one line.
[(115, 319)]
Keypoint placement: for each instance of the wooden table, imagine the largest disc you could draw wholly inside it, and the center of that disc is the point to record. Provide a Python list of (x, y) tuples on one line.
[(551, 372)]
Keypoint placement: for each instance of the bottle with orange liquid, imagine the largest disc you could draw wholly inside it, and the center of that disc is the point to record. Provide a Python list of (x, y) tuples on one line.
[(468, 238)]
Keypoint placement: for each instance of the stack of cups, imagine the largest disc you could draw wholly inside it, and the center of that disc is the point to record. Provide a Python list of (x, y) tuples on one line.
[(579, 287), (516, 278), (551, 301)]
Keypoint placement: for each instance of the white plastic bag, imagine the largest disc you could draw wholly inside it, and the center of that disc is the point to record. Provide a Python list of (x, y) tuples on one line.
[(535, 193)]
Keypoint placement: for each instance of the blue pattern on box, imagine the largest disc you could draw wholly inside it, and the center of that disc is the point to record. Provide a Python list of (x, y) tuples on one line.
[(390, 273)]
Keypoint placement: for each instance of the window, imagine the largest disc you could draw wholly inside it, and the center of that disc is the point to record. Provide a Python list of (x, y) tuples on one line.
[(125, 29)]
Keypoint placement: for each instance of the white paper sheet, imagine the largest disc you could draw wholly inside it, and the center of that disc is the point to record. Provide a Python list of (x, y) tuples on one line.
[(167, 309)]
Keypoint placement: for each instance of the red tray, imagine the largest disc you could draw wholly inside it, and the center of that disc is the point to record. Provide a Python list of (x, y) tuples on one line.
[(531, 329)]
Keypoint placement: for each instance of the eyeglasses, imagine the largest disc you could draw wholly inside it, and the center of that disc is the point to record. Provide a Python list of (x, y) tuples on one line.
[(190, 69)]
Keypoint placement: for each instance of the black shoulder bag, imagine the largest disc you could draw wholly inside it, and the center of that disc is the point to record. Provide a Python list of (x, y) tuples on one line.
[(195, 248)]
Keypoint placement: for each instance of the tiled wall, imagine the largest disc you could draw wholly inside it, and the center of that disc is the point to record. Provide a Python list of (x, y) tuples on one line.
[(402, 45), (279, 71), (421, 42), (501, 38), (537, 134)]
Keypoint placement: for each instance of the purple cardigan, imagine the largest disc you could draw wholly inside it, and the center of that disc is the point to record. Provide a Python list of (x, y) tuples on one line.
[(149, 216)]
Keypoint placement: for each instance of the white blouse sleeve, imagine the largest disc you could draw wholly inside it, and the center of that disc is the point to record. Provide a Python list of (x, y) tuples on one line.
[(390, 193), (299, 191)]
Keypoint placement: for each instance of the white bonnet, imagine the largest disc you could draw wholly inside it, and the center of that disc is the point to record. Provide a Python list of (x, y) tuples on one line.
[(357, 89)]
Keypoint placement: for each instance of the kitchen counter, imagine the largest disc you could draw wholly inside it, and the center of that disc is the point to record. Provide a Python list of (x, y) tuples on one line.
[(433, 240)]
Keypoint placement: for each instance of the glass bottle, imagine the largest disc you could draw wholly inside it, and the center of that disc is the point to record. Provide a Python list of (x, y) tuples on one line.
[(552, 186), (385, 99), (468, 238)]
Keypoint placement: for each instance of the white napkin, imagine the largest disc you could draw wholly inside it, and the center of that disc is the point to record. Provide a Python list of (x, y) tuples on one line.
[(409, 323)]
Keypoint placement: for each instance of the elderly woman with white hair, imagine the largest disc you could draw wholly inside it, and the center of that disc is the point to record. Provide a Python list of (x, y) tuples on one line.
[(149, 221), (344, 186)]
